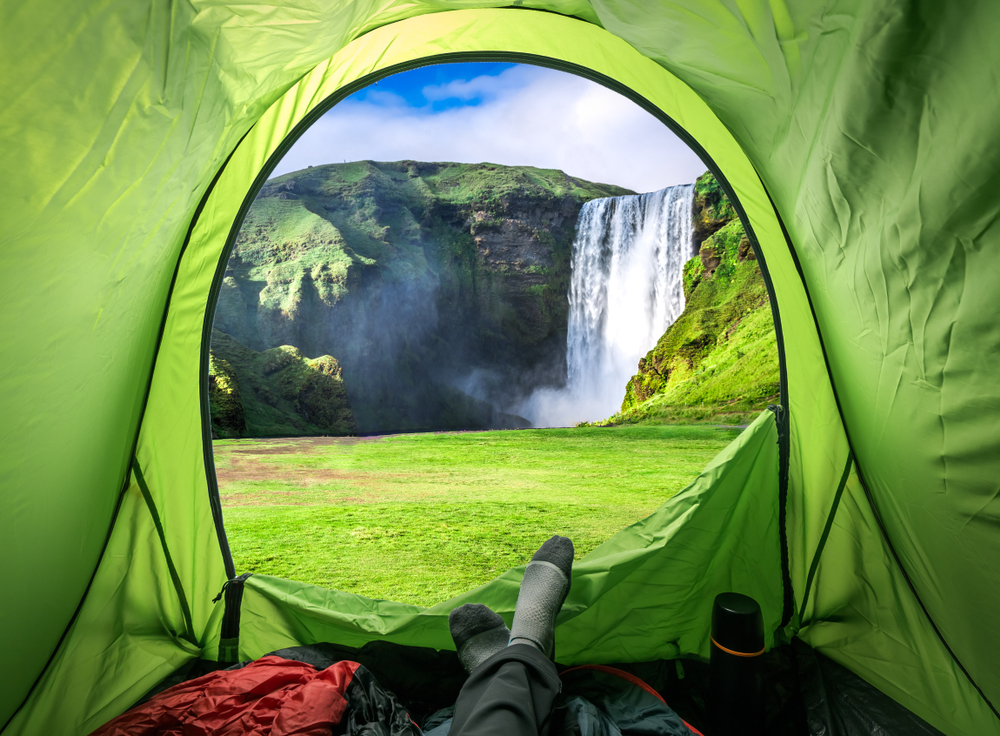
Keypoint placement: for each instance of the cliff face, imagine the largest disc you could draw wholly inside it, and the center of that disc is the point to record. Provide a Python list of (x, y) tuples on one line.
[(712, 208), (718, 361), (419, 278)]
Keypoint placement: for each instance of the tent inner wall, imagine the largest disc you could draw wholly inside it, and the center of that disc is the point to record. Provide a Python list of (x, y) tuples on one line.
[(173, 463), (873, 126)]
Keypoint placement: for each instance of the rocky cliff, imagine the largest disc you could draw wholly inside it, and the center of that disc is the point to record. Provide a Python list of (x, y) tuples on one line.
[(718, 361), (436, 286)]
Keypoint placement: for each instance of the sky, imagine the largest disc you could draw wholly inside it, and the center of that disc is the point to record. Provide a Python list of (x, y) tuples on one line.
[(504, 114)]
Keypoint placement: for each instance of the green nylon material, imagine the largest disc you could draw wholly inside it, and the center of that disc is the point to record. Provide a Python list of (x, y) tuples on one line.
[(892, 638), (129, 635), (872, 124)]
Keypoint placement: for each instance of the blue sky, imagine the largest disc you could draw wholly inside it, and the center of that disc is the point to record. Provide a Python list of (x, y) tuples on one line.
[(438, 79), (500, 113)]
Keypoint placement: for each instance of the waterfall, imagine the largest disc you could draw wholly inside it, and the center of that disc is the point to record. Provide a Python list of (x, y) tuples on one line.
[(626, 289)]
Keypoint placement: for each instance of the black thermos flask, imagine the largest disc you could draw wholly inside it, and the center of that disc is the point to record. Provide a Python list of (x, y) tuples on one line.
[(736, 684)]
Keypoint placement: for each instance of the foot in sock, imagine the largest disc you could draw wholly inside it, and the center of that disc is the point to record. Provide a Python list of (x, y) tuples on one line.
[(545, 586), (479, 633)]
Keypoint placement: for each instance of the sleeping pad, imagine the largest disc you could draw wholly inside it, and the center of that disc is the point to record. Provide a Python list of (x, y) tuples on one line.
[(300, 692)]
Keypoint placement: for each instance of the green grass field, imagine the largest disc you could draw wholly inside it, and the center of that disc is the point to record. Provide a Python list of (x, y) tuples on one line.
[(419, 518)]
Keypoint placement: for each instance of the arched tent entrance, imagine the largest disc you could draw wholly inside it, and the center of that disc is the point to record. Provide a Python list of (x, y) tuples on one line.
[(835, 117)]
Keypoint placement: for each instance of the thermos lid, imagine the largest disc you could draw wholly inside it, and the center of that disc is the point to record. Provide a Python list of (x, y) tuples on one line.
[(737, 623)]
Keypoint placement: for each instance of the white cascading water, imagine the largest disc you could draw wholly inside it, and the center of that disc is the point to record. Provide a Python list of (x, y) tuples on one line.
[(626, 289)]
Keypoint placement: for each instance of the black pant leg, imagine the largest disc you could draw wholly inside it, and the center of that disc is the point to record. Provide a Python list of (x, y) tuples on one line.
[(510, 694)]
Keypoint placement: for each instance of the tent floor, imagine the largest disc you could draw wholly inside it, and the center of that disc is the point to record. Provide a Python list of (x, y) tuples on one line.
[(807, 692)]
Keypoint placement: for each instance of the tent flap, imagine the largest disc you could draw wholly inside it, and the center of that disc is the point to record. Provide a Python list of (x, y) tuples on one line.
[(658, 575)]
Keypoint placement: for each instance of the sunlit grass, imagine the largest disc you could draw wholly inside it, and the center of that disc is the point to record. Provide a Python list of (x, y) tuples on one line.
[(420, 518)]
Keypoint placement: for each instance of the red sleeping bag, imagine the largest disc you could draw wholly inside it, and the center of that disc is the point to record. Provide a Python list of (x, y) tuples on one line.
[(270, 697)]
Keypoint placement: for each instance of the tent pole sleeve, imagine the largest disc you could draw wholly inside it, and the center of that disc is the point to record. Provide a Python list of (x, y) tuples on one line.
[(206, 426)]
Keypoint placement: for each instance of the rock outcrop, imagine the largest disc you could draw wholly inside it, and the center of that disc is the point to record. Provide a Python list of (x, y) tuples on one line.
[(277, 392), (712, 208), (224, 398)]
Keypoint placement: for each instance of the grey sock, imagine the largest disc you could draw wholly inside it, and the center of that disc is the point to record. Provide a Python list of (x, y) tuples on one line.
[(479, 633), (545, 586)]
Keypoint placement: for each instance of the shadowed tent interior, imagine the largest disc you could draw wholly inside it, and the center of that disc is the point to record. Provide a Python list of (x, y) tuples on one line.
[(858, 139)]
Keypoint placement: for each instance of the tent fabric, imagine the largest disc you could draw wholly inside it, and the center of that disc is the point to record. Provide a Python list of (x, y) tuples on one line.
[(859, 138), (837, 701)]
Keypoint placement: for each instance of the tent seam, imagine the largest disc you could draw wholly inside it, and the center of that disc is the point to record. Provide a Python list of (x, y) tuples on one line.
[(826, 533), (171, 568)]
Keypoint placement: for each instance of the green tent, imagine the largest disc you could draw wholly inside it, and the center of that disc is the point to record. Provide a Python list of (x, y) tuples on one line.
[(861, 141)]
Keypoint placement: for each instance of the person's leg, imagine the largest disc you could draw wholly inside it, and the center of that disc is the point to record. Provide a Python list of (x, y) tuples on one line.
[(511, 690), (510, 694)]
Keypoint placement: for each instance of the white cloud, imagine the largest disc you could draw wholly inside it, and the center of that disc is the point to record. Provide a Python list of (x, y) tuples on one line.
[(528, 116), (485, 86)]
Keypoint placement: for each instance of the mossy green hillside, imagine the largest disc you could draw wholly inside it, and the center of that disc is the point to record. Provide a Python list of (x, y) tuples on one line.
[(224, 398), (718, 361), (712, 208), (277, 392), (412, 275)]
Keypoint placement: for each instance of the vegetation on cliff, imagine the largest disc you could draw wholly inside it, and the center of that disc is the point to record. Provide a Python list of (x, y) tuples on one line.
[(420, 278), (718, 362), (278, 392)]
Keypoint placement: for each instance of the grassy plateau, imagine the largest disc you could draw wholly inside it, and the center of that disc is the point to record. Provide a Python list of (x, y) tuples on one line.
[(419, 518)]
